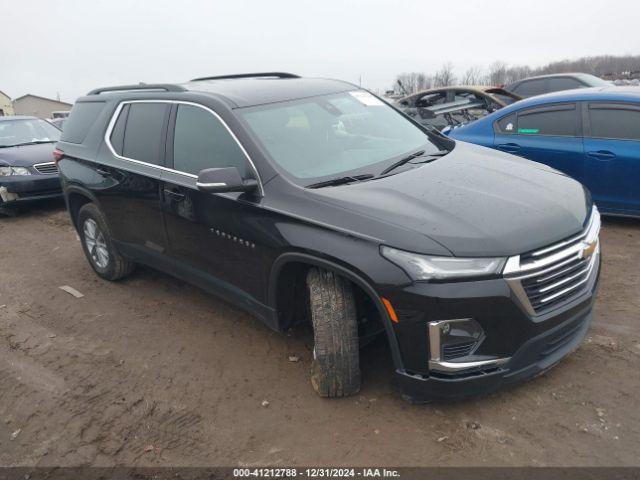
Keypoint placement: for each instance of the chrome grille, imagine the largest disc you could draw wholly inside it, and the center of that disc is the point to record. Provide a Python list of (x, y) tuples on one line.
[(553, 276), (48, 168)]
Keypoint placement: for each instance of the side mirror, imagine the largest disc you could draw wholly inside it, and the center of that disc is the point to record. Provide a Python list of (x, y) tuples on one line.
[(227, 179)]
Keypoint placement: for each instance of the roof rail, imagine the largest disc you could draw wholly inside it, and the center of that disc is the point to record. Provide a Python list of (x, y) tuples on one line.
[(249, 75), (167, 87)]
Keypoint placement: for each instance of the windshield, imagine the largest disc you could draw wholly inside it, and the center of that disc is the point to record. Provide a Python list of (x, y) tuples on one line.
[(19, 132), (334, 135)]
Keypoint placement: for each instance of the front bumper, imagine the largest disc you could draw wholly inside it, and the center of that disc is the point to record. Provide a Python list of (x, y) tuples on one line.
[(529, 345), (19, 189), (533, 358)]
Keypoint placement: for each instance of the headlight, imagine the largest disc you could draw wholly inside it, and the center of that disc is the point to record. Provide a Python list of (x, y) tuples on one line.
[(423, 267), (8, 171)]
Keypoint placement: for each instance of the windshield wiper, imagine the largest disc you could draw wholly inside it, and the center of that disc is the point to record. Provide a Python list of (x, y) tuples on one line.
[(341, 181), (408, 158)]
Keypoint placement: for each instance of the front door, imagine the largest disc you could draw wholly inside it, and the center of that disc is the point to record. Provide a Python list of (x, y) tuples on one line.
[(212, 237)]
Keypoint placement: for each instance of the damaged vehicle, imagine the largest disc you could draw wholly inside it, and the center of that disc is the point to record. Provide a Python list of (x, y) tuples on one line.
[(27, 168), (452, 106), (310, 201)]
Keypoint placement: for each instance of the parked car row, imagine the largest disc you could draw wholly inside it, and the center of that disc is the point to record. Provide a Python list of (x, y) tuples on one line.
[(458, 105), (313, 201)]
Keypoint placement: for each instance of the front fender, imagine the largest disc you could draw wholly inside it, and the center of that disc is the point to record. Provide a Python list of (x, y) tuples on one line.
[(347, 271)]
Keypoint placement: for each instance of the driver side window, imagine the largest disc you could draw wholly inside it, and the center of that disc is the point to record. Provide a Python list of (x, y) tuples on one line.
[(202, 141)]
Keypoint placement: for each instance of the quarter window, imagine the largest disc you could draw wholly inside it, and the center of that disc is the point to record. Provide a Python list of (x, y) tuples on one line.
[(556, 121), (619, 122), (507, 124), (143, 132), (80, 121), (201, 141)]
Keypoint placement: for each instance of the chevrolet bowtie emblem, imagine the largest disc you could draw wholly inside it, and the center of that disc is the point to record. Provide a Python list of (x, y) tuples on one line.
[(589, 248)]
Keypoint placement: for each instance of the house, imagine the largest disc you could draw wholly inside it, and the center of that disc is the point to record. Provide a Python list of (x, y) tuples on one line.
[(38, 106), (5, 104)]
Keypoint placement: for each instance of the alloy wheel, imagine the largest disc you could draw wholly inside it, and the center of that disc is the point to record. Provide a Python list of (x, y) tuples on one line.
[(95, 243)]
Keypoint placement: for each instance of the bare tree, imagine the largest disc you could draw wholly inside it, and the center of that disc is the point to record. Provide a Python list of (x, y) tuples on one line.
[(445, 76), (497, 74), (609, 67), (408, 83), (473, 76), (517, 73)]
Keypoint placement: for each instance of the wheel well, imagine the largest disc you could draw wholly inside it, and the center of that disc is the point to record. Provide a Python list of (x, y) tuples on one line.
[(292, 300), (76, 202)]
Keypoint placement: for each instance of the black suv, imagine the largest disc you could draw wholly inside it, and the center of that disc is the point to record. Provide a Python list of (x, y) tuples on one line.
[(312, 200)]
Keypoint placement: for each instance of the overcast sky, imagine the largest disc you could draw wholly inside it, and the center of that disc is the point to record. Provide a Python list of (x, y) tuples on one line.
[(68, 47)]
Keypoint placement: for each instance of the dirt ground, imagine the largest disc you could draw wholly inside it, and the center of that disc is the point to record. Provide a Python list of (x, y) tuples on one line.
[(151, 371)]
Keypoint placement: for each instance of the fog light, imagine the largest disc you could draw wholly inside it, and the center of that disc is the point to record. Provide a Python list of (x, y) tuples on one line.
[(450, 341)]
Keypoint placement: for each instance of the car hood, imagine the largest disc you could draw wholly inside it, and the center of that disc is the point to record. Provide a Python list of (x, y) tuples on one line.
[(27, 155), (474, 201)]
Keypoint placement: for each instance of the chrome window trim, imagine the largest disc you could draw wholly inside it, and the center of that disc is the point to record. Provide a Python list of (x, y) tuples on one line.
[(116, 114)]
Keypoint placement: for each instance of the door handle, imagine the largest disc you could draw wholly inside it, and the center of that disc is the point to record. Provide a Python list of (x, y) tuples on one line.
[(508, 147), (174, 195), (602, 155)]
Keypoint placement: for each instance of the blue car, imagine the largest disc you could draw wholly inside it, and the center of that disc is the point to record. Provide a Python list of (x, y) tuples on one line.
[(591, 134)]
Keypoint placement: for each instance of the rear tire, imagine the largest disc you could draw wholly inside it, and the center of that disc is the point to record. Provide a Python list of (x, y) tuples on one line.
[(98, 245), (335, 371)]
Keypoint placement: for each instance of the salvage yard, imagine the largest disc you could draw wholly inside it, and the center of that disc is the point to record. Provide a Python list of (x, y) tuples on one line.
[(152, 371)]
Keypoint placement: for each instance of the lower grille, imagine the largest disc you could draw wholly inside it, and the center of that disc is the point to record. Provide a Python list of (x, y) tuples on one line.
[(48, 168), (560, 340), (553, 276), (457, 350)]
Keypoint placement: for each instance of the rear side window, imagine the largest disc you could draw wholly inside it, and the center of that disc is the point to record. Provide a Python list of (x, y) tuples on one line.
[(615, 121), (531, 87), (202, 141), (563, 83), (143, 132), (82, 116), (558, 121)]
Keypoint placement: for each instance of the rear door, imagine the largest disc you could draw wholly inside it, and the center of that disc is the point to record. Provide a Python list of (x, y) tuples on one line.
[(612, 155), (128, 185), (549, 134)]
